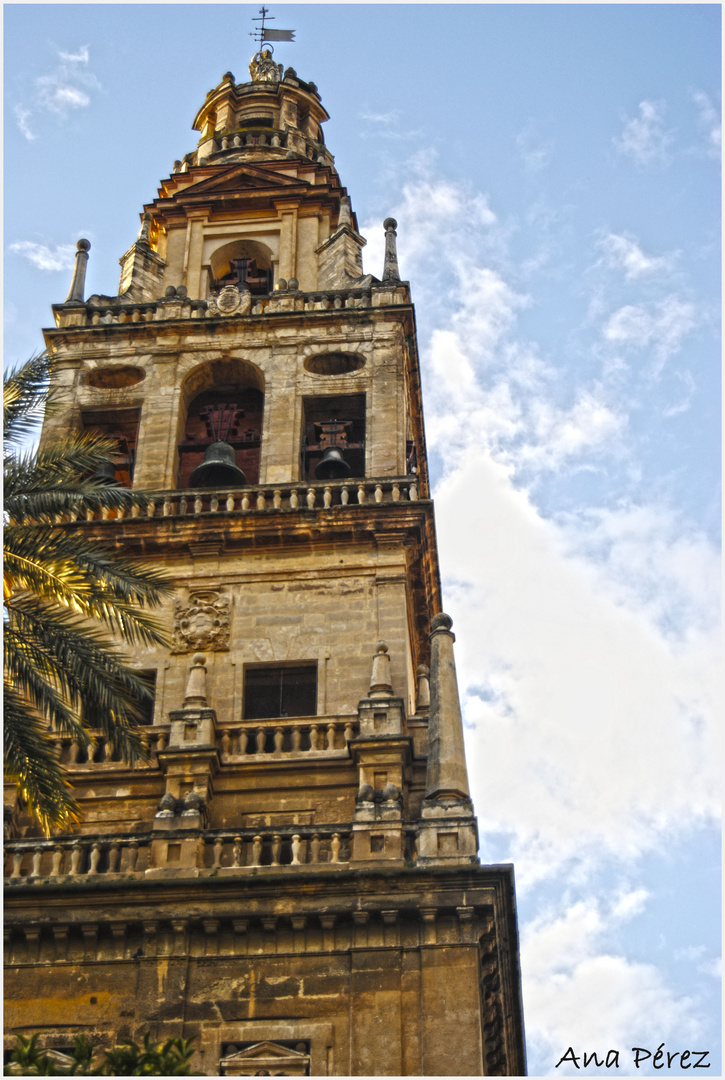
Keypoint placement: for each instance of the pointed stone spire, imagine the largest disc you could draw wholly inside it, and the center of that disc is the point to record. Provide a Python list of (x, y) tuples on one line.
[(78, 284), (446, 775), (144, 233), (390, 266), (196, 685), (344, 216)]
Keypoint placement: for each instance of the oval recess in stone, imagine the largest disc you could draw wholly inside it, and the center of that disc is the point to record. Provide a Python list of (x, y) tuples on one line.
[(115, 378), (333, 363)]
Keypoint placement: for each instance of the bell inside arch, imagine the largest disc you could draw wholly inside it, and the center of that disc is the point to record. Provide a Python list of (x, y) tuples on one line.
[(332, 466), (106, 472), (218, 469)]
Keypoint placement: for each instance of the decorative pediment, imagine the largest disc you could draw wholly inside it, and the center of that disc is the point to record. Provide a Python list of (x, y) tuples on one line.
[(266, 1059), (241, 176)]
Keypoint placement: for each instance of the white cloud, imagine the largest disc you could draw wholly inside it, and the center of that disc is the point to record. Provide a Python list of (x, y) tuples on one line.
[(61, 257), (535, 153), (579, 993), (659, 326), (67, 88), (599, 733), (644, 138), (624, 253), (23, 116), (709, 120)]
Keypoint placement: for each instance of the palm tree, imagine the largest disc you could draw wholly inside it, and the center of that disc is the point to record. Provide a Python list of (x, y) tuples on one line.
[(68, 603)]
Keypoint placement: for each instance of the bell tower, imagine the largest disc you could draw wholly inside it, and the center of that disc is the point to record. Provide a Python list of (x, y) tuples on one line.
[(292, 878)]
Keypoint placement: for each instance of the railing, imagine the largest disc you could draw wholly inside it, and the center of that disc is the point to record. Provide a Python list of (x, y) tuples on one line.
[(298, 496), (287, 738), (258, 740), (226, 851), (113, 310)]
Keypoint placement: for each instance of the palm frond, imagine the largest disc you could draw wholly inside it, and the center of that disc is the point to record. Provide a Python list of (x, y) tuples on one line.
[(31, 763), (25, 391)]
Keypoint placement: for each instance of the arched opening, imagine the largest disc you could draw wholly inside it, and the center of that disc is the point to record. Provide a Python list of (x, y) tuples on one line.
[(245, 263), (225, 405)]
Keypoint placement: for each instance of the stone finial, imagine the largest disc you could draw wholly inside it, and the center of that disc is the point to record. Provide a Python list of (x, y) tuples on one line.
[(380, 684), (422, 702), (196, 685), (390, 266), (144, 233), (77, 287), (446, 774), (344, 217)]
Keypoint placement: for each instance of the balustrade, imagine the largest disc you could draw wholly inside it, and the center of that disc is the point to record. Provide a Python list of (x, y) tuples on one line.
[(256, 500), (61, 860), (287, 737)]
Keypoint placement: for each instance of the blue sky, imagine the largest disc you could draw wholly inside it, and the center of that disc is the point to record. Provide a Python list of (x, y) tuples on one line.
[(555, 173)]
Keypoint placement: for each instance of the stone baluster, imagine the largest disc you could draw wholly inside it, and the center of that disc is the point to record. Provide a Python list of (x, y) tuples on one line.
[(17, 862), (75, 858), (331, 736), (378, 493), (396, 492), (296, 850), (276, 849), (278, 740), (226, 742), (413, 491), (214, 503), (167, 507), (277, 499), (294, 499), (37, 856), (135, 511), (183, 503), (361, 493), (55, 868), (344, 495), (132, 856), (327, 498), (105, 513), (335, 848), (73, 752), (261, 501), (150, 508), (95, 856), (296, 738), (243, 740), (237, 851), (315, 848), (160, 742), (107, 750), (230, 502), (261, 739), (313, 737), (245, 501), (114, 853), (198, 504), (257, 851), (348, 731), (310, 497), (218, 849)]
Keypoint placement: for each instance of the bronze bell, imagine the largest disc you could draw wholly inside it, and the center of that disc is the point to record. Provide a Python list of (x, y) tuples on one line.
[(106, 472), (218, 469), (332, 466)]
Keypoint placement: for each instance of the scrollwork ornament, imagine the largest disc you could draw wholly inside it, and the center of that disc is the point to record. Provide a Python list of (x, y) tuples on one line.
[(202, 622)]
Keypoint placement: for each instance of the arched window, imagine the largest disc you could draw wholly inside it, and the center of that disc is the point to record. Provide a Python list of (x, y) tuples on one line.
[(225, 405), (245, 263)]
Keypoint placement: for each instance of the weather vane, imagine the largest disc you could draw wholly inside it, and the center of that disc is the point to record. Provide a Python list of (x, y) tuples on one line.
[(263, 34)]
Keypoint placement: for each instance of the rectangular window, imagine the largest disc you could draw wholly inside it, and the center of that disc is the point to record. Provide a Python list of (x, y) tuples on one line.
[(333, 424), (148, 704), (271, 691)]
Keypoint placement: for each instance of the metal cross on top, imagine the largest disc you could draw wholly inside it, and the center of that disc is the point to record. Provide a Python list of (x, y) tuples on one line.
[(263, 33)]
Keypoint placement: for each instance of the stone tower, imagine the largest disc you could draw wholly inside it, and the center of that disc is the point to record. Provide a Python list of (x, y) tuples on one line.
[(293, 876)]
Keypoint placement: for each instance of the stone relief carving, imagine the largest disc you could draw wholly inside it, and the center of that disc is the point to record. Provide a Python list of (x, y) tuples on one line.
[(202, 622), (230, 301)]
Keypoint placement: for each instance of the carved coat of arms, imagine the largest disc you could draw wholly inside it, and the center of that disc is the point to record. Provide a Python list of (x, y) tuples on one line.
[(230, 301), (202, 622)]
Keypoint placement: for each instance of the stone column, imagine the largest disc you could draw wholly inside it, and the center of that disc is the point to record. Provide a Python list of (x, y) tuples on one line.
[(446, 775), (75, 294), (391, 274)]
